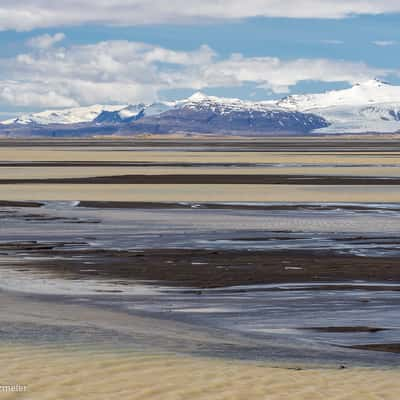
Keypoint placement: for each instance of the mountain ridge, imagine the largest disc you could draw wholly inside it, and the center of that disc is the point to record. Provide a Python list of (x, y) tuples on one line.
[(368, 107)]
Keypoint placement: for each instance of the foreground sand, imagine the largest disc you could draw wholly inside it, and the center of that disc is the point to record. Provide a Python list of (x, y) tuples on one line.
[(77, 374)]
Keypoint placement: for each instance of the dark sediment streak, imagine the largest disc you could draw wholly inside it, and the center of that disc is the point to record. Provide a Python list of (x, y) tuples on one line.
[(212, 269), (183, 164), (299, 143), (4, 203), (231, 206), (346, 329), (127, 164), (385, 347), (212, 179)]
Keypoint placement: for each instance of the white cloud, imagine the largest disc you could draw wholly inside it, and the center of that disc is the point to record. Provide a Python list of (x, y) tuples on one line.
[(384, 43), (28, 94), (332, 41), (30, 14), (45, 41), (278, 75), (129, 72)]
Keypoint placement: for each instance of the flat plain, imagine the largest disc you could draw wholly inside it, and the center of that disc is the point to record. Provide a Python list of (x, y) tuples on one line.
[(226, 268)]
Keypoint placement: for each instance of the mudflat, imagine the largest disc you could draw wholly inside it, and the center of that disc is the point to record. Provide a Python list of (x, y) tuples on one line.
[(200, 268), (224, 268)]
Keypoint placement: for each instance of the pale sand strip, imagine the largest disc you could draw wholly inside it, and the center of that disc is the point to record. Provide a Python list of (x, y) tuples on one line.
[(124, 154), (201, 193), (87, 171), (52, 374)]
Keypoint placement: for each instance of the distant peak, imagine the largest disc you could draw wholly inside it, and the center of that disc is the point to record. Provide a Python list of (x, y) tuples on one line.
[(198, 96), (373, 83)]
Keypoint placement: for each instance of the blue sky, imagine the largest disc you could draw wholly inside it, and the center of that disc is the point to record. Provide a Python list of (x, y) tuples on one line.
[(283, 37), (64, 62)]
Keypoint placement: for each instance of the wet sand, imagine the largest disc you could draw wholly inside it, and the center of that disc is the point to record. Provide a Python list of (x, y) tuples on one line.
[(386, 347), (23, 204), (185, 179), (211, 268), (69, 351), (233, 206)]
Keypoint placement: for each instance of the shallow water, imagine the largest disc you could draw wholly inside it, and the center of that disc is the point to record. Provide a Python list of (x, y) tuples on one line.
[(275, 314), (364, 230)]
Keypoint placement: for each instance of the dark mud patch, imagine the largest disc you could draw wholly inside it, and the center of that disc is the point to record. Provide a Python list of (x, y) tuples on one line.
[(22, 204), (234, 206), (209, 179), (346, 329), (385, 347), (211, 269)]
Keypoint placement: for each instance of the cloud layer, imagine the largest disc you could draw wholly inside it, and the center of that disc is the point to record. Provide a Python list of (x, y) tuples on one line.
[(50, 75), (30, 14), (384, 43), (46, 41)]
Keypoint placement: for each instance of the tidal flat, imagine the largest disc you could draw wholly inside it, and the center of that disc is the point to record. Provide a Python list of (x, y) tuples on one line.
[(218, 287)]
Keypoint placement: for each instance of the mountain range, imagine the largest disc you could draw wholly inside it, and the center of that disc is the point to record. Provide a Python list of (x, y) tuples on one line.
[(368, 107)]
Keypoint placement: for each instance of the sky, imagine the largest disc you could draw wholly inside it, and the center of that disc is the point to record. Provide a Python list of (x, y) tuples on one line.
[(70, 53)]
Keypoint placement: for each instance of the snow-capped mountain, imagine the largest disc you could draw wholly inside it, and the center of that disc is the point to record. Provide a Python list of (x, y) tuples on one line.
[(225, 105), (132, 112), (74, 115), (369, 92), (196, 114), (368, 107), (209, 114), (371, 106)]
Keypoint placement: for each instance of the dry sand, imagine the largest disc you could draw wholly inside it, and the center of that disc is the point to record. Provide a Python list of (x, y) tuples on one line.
[(126, 154), (83, 374), (201, 193), (192, 192), (87, 171)]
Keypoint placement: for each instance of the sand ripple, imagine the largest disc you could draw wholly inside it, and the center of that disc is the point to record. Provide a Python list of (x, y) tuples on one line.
[(83, 374)]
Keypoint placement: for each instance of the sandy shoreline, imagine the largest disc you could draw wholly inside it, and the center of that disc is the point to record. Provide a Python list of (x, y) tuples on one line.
[(50, 373)]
